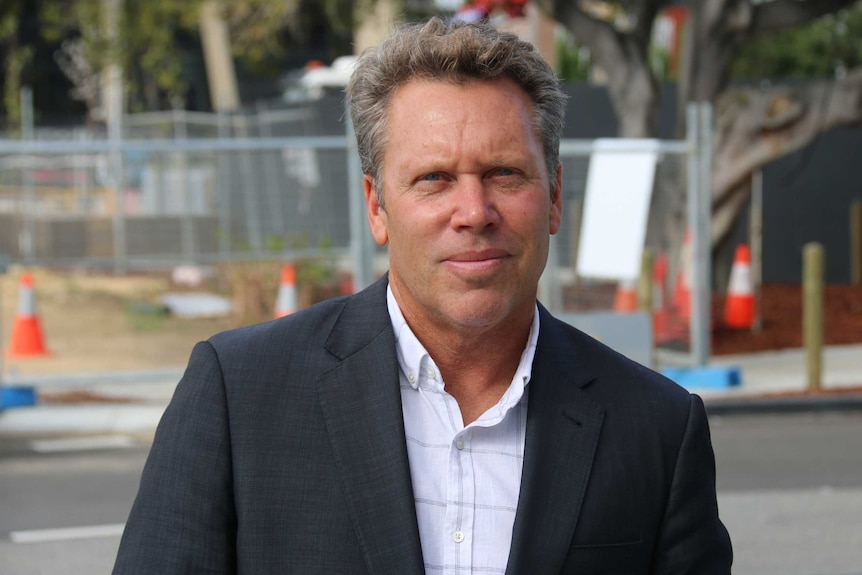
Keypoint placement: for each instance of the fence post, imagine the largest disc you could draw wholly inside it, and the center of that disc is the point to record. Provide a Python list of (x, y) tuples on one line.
[(362, 246), (645, 283), (224, 178), (856, 243), (27, 240), (187, 207), (699, 212), (812, 312)]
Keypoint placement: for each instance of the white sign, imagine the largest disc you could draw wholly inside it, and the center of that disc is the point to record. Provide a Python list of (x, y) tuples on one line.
[(616, 206)]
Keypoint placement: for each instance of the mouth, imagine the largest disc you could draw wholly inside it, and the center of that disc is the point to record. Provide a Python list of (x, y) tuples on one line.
[(477, 261)]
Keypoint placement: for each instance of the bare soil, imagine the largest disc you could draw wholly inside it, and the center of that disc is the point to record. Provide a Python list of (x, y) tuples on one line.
[(95, 323)]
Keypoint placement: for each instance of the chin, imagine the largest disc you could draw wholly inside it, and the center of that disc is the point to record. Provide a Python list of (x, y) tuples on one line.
[(478, 314)]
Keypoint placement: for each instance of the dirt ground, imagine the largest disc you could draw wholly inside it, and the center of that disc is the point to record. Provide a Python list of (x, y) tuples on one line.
[(96, 323), (99, 323)]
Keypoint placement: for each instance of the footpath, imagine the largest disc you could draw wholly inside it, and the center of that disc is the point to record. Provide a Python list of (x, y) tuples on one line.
[(133, 402)]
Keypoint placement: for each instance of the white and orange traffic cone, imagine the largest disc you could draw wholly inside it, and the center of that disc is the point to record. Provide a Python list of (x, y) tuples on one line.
[(287, 301), (739, 305), (626, 298), (681, 298), (27, 340)]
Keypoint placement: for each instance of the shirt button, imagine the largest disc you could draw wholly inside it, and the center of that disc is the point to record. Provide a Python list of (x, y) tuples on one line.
[(411, 378), (459, 443), (458, 536), (432, 374)]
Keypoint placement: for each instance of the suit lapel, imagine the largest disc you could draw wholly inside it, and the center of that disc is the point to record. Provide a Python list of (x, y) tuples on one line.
[(361, 404), (563, 426)]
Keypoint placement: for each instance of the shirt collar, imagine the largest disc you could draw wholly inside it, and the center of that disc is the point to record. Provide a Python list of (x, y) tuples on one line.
[(412, 356)]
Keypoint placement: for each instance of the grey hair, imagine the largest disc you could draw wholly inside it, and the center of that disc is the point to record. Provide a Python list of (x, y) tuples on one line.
[(454, 52)]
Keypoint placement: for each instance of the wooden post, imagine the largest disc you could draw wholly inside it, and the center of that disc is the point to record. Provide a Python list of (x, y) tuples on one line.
[(856, 242), (812, 312), (644, 290), (756, 242)]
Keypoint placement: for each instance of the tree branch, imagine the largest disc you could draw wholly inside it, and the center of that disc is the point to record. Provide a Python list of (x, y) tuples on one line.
[(788, 13), (748, 138)]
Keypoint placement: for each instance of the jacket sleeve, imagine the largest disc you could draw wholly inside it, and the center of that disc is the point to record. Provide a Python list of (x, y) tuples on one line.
[(183, 519), (692, 539)]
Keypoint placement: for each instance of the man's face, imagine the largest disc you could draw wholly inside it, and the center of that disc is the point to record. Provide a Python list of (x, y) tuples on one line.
[(468, 208)]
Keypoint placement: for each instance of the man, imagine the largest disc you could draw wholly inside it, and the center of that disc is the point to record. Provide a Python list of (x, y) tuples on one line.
[(440, 421)]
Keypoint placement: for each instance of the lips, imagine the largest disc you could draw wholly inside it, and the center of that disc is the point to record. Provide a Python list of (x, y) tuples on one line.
[(476, 264), (477, 256)]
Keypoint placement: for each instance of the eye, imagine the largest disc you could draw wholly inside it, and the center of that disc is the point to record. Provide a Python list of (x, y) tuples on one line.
[(504, 172), (435, 177)]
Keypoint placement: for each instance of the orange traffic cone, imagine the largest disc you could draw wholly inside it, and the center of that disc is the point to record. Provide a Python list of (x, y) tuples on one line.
[(626, 299), (286, 303), (661, 319), (26, 338), (681, 299), (659, 283), (739, 305)]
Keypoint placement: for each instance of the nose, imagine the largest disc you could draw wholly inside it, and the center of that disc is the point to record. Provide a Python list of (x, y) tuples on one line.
[(474, 207)]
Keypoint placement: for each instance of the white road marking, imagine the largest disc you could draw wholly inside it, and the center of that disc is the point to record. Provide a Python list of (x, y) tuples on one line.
[(81, 443), (67, 533)]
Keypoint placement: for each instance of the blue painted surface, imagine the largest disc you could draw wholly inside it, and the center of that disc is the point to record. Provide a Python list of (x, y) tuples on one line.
[(714, 377), (17, 397)]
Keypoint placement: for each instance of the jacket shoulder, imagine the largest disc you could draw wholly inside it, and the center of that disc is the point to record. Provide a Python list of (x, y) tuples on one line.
[(609, 371)]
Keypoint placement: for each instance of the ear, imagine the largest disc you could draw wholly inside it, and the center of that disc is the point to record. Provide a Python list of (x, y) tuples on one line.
[(556, 214), (377, 221)]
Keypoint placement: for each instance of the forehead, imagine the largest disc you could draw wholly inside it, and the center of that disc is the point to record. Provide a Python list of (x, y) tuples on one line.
[(424, 110), (448, 92)]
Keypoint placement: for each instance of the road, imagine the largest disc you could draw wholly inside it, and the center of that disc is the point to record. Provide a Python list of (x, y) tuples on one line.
[(83, 490), (790, 492)]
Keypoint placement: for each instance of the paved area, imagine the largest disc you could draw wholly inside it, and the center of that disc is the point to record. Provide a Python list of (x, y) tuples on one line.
[(147, 393), (784, 523)]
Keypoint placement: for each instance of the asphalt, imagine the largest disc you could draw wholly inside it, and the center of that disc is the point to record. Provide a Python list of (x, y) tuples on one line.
[(133, 402)]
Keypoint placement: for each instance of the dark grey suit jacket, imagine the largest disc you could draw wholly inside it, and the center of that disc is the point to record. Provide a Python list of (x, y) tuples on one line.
[(283, 451)]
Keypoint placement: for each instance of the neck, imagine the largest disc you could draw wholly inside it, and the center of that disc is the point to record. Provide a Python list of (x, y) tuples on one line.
[(477, 365)]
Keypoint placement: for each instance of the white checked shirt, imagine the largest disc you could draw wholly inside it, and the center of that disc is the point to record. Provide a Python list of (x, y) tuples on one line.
[(466, 480)]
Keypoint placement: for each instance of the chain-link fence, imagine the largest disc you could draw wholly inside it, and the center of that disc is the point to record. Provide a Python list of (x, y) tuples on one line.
[(183, 188)]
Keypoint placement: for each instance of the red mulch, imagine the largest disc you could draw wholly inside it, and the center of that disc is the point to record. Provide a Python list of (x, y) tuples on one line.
[(781, 306), (781, 325), (79, 396)]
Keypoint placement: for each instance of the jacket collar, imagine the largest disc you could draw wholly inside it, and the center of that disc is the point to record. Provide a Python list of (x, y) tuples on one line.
[(361, 405), (563, 426)]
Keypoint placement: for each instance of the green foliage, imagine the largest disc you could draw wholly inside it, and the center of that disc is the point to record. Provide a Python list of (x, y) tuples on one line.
[(16, 59), (153, 39), (143, 41), (821, 48), (573, 63)]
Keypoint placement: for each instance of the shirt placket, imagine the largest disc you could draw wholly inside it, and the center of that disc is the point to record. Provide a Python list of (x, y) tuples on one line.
[(460, 508)]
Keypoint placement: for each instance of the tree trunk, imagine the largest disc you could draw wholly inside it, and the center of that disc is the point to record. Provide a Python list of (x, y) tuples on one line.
[(752, 127), (755, 127)]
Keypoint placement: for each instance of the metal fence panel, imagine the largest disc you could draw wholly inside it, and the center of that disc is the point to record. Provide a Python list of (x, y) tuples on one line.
[(184, 188)]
